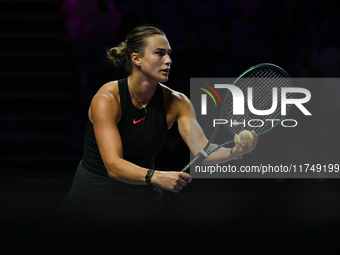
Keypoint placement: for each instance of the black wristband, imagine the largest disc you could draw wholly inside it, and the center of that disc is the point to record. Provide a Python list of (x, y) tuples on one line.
[(148, 176)]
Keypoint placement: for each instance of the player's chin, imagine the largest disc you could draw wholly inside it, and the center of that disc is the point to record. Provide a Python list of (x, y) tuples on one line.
[(164, 80), (164, 76)]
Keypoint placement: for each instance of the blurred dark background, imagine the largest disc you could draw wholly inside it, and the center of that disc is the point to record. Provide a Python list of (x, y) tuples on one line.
[(53, 60)]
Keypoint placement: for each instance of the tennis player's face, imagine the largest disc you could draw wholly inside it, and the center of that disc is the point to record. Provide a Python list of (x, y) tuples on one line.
[(156, 60)]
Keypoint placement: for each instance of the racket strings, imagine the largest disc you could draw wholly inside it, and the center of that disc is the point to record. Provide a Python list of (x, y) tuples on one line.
[(262, 80), (262, 98)]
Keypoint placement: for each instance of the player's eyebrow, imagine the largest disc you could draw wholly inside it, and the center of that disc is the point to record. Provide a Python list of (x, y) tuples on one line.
[(161, 49)]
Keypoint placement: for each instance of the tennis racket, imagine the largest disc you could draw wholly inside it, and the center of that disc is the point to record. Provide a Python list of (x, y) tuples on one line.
[(262, 79)]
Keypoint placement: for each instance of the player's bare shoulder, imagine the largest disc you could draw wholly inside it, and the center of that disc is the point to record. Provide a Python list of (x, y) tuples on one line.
[(109, 91), (174, 98), (176, 103), (106, 100)]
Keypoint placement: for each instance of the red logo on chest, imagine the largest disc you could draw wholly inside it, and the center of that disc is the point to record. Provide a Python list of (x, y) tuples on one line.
[(136, 121)]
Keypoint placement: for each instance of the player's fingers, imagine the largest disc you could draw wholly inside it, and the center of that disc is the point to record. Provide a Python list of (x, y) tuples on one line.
[(175, 190), (179, 186), (256, 137), (185, 176), (237, 145), (182, 182), (252, 143), (249, 141), (243, 142)]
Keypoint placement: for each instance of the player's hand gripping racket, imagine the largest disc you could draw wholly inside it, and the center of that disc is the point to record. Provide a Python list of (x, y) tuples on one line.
[(263, 79)]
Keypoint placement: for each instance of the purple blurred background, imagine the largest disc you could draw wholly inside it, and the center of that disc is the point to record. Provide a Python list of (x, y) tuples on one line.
[(53, 60)]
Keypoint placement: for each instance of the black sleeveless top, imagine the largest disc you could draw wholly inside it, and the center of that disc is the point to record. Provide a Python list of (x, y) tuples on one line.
[(142, 134)]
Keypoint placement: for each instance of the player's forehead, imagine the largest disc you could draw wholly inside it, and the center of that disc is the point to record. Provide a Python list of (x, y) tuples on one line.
[(158, 42)]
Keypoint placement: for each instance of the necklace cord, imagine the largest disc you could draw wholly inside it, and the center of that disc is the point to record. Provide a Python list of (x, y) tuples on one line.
[(140, 105)]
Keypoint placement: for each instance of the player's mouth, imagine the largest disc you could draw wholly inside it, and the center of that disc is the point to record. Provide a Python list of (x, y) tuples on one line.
[(165, 71)]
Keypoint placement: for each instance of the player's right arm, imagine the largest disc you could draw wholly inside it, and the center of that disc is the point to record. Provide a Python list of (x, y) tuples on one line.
[(105, 113)]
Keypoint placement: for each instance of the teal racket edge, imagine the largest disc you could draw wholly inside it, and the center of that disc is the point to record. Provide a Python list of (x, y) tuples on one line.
[(262, 78)]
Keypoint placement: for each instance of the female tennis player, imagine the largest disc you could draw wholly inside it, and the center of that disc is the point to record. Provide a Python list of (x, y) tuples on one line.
[(127, 123)]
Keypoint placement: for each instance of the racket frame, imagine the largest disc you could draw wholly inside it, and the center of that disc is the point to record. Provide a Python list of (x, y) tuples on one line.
[(203, 153)]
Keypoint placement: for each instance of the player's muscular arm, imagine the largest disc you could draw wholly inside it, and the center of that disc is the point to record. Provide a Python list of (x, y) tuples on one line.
[(194, 136), (105, 113)]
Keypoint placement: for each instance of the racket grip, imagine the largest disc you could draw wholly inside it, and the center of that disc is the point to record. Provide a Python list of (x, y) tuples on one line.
[(198, 159)]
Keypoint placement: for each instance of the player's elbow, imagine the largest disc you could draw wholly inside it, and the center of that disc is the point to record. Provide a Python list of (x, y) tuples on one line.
[(112, 174), (112, 169)]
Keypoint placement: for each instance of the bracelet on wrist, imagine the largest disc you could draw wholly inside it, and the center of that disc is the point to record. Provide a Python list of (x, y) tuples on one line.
[(148, 176)]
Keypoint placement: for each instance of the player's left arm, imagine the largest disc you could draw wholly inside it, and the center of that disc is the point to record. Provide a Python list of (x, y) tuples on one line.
[(193, 135)]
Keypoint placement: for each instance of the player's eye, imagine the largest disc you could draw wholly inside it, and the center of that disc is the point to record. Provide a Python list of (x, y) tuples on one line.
[(160, 53)]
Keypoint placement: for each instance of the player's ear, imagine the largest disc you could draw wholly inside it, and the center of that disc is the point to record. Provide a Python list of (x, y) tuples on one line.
[(135, 58)]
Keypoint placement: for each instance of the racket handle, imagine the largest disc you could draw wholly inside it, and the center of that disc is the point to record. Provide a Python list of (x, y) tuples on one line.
[(198, 159)]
